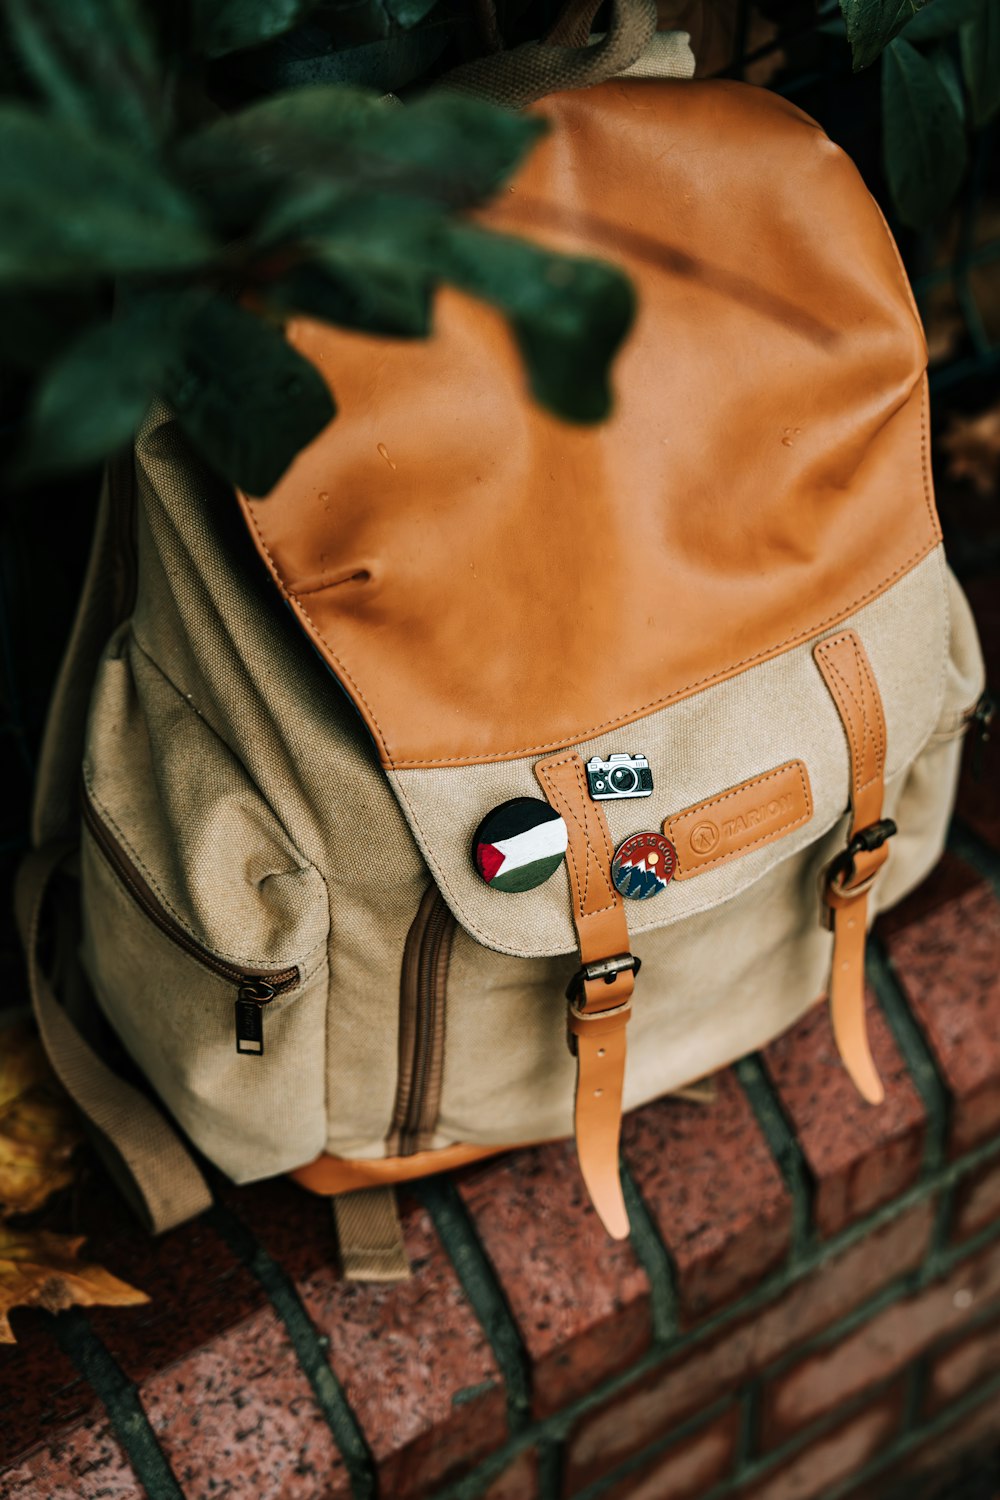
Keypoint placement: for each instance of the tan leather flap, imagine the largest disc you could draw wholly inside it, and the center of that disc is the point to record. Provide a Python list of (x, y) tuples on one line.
[(768, 744)]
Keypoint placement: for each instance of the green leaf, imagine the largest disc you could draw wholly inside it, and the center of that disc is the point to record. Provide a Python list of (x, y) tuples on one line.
[(979, 43), (247, 399), (395, 303), (939, 19), (447, 148), (947, 71), (94, 63), (92, 398), (923, 137), (872, 24), (569, 316), (73, 205), (222, 26), (36, 324), (409, 12)]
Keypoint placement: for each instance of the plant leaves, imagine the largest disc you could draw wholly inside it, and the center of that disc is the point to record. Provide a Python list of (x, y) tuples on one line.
[(447, 149), (93, 61), (979, 44), (872, 24), (569, 316), (248, 400), (44, 1270), (923, 137), (72, 205), (939, 19), (409, 13), (38, 1131), (95, 395), (222, 26), (396, 303)]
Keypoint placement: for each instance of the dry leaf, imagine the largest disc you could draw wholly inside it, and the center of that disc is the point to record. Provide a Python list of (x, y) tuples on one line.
[(972, 445), (38, 1132), (43, 1270)]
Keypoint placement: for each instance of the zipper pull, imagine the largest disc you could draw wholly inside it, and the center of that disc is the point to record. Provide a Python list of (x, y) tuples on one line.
[(251, 997), (981, 717)]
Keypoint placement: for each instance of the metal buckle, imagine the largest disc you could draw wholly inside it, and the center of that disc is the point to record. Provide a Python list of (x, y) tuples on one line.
[(865, 841), (607, 969)]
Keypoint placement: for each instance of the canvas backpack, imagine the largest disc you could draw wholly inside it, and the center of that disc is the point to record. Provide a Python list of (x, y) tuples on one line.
[(702, 667)]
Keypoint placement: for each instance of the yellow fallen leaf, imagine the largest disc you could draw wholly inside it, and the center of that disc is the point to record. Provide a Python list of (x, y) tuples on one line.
[(44, 1270), (38, 1131)]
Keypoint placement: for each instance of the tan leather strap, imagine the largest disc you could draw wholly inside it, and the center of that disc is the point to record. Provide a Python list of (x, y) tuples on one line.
[(143, 1153), (370, 1235), (600, 1006), (847, 672)]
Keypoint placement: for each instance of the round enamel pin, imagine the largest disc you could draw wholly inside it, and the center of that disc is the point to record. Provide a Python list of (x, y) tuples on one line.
[(643, 865), (519, 844)]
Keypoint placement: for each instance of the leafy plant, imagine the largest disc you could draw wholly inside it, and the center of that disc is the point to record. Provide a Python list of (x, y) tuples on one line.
[(121, 182)]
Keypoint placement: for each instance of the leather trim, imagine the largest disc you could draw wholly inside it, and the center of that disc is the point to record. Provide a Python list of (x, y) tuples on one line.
[(745, 817), (847, 672), (329, 1175)]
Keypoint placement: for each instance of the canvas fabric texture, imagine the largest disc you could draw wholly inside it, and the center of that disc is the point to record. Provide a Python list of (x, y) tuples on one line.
[(240, 823)]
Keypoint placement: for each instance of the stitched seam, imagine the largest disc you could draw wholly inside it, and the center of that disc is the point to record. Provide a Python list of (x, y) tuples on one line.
[(764, 838), (592, 860), (575, 735), (846, 698)]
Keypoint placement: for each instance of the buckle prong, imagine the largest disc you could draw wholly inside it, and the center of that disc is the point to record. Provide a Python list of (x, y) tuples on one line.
[(607, 969)]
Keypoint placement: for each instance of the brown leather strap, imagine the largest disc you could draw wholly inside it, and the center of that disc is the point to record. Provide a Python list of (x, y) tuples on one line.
[(600, 1006), (848, 674)]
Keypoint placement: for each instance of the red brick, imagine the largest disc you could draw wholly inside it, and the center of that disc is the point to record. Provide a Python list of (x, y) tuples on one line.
[(519, 1481), (859, 1157), (580, 1298), (688, 1469), (85, 1462), (962, 1364), (957, 1453), (714, 1190), (653, 1405), (240, 1414), (949, 967), (878, 1349), (977, 1201), (40, 1390), (832, 1458), (414, 1362)]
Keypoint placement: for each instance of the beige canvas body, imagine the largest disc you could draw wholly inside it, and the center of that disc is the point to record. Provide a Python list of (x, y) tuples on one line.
[(246, 812)]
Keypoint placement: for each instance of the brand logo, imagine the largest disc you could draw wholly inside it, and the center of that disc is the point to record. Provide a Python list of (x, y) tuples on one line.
[(765, 812), (704, 838)]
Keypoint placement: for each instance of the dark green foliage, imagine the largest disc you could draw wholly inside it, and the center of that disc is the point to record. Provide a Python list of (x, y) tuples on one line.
[(923, 134), (325, 200), (979, 41), (872, 24)]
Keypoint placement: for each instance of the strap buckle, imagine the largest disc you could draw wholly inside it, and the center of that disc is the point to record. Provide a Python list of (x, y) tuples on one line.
[(841, 870), (607, 969)]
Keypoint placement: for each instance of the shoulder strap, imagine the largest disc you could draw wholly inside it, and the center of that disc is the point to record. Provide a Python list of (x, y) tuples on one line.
[(144, 1154)]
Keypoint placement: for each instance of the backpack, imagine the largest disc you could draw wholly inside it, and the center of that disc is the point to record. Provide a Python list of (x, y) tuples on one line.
[(395, 778)]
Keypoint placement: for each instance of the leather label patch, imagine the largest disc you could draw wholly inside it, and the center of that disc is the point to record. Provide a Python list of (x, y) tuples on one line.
[(746, 817)]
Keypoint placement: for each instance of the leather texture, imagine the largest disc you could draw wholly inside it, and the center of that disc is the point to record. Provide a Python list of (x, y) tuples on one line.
[(847, 673), (745, 817), (599, 1012), (488, 582)]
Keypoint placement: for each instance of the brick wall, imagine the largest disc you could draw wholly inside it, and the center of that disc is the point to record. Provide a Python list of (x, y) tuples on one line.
[(809, 1305)]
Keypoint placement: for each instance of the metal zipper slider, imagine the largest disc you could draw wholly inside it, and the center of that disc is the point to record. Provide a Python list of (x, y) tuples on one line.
[(252, 996)]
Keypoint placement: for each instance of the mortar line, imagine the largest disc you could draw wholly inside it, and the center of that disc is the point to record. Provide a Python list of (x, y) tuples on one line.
[(309, 1350), (454, 1226), (914, 1049), (654, 1257), (550, 1470), (780, 1135), (121, 1400), (558, 1426), (969, 846)]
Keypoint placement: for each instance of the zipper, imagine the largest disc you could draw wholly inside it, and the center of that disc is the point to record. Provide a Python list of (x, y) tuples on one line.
[(422, 997), (255, 988)]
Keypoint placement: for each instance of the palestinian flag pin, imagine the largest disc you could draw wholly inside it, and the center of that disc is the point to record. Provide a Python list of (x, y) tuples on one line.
[(519, 844), (643, 865)]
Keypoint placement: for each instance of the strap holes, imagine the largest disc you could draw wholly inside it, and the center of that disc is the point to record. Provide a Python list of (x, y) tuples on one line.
[(598, 1093), (600, 1051)]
